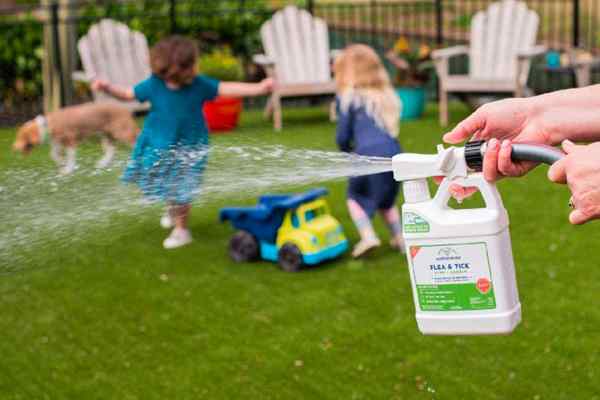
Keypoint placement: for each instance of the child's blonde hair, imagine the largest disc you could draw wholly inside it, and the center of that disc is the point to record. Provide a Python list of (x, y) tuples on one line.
[(362, 80)]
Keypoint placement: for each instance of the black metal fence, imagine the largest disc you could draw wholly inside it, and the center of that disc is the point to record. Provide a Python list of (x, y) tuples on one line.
[(564, 24)]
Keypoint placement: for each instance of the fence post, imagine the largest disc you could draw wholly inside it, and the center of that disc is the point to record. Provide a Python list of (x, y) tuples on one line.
[(241, 11), (373, 17), (173, 15), (576, 13), (439, 23), (68, 48), (53, 87), (59, 54)]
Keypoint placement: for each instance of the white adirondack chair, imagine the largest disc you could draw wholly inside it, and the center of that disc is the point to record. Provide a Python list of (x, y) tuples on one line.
[(110, 50), (502, 41), (297, 56)]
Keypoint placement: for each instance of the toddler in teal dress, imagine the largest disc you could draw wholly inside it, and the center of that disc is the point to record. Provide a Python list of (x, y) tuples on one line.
[(169, 156)]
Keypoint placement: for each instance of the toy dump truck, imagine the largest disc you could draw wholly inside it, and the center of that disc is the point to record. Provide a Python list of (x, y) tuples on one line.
[(292, 230)]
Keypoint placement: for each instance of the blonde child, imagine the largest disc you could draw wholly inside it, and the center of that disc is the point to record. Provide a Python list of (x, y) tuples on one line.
[(368, 117), (168, 159)]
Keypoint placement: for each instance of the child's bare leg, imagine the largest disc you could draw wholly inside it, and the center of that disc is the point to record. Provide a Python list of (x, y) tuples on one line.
[(180, 236), (394, 223), (180, 214), (368, 237)]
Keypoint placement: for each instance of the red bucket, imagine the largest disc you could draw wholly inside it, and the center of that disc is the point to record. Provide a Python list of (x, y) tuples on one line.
[(222, 114)]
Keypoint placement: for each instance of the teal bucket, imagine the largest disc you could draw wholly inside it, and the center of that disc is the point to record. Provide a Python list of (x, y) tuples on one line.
[(413, 102)]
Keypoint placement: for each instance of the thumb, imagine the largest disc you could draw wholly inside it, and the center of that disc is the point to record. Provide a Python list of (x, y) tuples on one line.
[(577, 217)]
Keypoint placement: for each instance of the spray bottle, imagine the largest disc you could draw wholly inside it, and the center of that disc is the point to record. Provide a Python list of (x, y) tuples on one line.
[(460, 261)]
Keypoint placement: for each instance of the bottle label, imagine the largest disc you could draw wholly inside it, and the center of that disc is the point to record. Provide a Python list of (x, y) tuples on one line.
[(414, 223), (453, 277)]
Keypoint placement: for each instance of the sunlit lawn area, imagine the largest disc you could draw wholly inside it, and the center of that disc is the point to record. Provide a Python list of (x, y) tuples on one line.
[(114, 316)]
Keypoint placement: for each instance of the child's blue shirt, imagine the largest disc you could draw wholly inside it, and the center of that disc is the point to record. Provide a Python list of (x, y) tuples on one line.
[(358, 133), (175, 117)]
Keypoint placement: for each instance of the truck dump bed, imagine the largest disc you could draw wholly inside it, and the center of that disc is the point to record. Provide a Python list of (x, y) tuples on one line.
[(266, 217)]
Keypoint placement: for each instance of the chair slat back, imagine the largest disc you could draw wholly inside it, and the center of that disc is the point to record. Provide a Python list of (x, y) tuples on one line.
[(497, 35), (299, 45), (110, 50)]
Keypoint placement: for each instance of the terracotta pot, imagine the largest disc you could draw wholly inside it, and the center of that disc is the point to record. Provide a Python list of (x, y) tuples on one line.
[(222, 114)]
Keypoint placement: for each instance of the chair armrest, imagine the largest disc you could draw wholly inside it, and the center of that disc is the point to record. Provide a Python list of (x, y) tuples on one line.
[(80, 76), (587, 63), (449, 52), (531, 52), (593, 62), (263, 60)]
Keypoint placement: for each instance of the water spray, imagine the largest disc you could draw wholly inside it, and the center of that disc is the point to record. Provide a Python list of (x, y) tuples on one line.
[(460, 260)]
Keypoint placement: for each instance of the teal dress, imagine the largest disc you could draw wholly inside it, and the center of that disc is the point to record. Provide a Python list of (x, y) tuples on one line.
[(170, 154)]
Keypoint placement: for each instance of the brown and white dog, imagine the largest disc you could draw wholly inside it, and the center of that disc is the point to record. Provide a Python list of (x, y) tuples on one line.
[(67, 127)]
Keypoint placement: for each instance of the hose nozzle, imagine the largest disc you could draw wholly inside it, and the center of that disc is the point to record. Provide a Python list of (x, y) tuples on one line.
[(475, 152), (459, 161)]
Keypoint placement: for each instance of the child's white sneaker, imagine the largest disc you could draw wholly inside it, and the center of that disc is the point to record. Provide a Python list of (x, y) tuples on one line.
[(178, 238), (397, 243), (364, 246), (166, 221)]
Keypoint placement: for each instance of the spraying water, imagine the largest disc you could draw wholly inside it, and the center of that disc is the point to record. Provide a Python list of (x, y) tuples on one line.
[(37, 203)]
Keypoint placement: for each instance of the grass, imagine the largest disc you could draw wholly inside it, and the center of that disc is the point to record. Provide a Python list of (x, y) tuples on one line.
[(114, 316)]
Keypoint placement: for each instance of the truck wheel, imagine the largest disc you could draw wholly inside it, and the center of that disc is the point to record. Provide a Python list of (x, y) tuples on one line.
[(290, 257), (243, 247)]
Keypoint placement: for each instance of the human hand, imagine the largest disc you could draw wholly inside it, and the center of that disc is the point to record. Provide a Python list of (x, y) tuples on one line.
[(100, 85), (501, 123), (267, 85), (458, 192), (580, 169)]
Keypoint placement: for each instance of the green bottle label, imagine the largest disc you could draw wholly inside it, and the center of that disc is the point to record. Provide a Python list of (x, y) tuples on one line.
[(453, 277)]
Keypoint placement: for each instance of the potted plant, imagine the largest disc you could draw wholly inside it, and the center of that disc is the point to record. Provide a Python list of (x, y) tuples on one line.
[(413, 66), (222, 114)]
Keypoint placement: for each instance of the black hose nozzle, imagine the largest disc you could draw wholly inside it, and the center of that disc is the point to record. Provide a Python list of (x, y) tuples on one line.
[(475, 151)]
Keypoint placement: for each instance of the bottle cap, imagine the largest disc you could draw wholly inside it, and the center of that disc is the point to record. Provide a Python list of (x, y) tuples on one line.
[(416, 191)]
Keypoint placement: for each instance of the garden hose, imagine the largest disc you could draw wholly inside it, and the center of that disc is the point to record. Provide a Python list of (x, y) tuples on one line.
[(475, 151)]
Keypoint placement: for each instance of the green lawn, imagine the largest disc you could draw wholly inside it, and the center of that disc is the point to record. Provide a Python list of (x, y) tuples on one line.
[(91, 306)]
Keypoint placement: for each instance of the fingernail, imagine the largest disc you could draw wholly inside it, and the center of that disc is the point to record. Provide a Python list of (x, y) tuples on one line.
[(493, 144), (505, 144), (567, 142)]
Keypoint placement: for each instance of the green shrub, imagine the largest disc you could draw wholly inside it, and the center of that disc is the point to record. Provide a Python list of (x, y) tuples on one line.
[(213, 24), (462, 21), (221, 64), (20, 59)]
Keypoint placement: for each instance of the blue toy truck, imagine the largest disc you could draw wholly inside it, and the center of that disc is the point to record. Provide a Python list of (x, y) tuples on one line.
[(292, 230)]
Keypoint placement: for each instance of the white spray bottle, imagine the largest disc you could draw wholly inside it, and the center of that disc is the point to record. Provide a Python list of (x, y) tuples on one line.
[(460, 261)]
